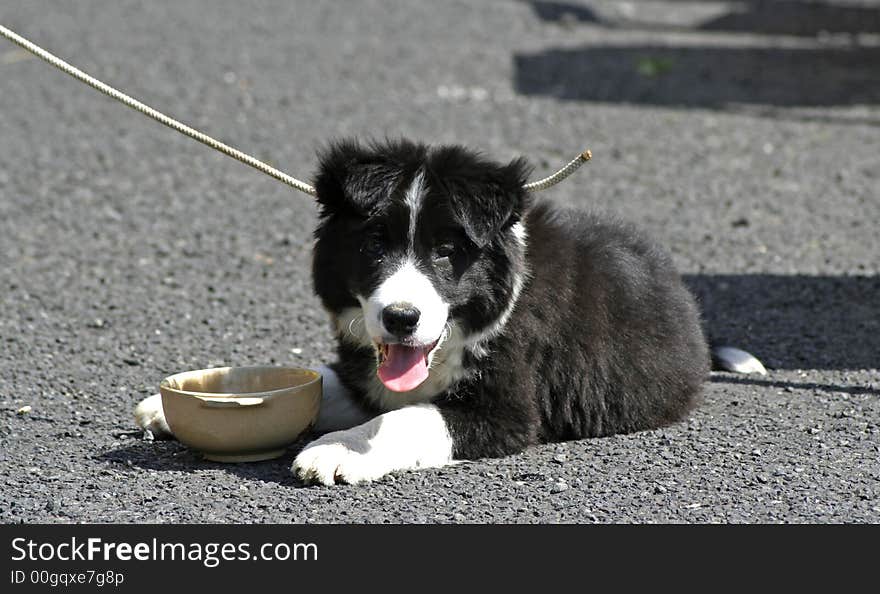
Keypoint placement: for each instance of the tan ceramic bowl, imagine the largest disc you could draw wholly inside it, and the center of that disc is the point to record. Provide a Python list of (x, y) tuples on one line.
[(241, 414)]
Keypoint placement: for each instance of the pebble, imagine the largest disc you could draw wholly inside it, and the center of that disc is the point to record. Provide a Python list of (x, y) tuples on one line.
[(148, 435), (558, 487), (24, 410), (126, 432), (560, 458)]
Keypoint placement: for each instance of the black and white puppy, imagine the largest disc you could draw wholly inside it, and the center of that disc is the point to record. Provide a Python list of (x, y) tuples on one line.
[(472, 322)]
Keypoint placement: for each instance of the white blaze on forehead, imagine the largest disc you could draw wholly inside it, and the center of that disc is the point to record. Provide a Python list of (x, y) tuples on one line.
[(407, 285), (413, 200)]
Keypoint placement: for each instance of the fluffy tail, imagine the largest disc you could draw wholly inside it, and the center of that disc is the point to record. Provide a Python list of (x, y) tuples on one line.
[(728, 358)]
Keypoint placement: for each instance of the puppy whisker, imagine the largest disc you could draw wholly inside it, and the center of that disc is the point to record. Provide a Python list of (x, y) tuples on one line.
[(351, 325)]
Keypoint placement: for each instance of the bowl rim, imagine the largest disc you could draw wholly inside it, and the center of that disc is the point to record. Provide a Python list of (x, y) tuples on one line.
[(163, 385)]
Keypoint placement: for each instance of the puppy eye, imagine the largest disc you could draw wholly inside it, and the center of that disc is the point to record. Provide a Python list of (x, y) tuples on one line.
[(373, 248), (444, 250)]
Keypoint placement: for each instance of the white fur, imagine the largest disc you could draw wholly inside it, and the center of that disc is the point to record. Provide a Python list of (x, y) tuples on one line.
[(476, 343), (519, 231), (407, 285), (409, 438), (413, 199), (446, 361), (148, 414)]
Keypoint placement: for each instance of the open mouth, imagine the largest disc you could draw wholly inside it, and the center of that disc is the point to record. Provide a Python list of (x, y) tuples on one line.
[(403, 368)]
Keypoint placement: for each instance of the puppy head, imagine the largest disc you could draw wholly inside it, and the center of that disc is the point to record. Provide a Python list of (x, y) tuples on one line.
[(412, 242)]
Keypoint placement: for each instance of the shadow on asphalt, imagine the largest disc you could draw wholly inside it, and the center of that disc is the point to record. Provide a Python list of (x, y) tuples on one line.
[(716, 76), (555, 12), (770, 383), (173, 456), (787, 17), (794, 322), (769, 17), (706, 77)]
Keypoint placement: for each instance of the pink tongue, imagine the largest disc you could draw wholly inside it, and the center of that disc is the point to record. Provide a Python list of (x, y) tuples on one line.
[(404, 368)]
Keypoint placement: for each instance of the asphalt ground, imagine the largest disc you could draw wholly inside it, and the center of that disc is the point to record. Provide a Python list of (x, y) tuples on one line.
[(745, 139)]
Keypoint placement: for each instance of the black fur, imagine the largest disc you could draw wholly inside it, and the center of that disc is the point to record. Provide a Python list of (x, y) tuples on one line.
[(603, 339)]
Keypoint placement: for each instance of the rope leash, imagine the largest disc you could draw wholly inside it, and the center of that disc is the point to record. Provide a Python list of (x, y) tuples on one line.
[(552, 180), (536, 186), (156, 115)]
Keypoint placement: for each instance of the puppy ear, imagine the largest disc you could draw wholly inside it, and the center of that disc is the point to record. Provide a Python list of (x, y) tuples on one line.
[(491, 199), (352, 178), (332, 183)]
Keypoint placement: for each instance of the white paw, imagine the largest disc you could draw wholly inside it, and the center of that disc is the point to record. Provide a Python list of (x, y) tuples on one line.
[(149, 415), (405, 439), (333, 462)]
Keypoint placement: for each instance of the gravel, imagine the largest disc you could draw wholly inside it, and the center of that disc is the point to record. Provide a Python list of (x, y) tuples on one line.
[(131, 253)]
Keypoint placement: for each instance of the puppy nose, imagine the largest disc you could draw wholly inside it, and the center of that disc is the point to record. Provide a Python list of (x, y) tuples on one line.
[(400, 319)]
